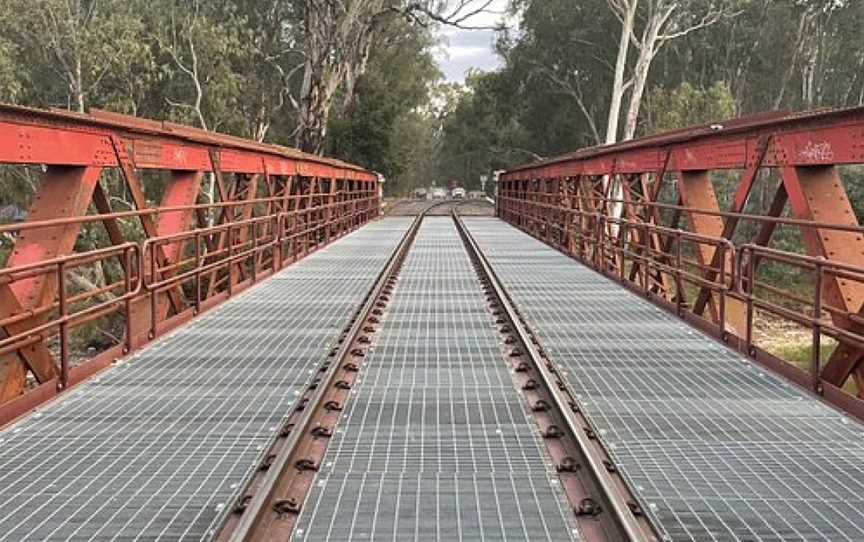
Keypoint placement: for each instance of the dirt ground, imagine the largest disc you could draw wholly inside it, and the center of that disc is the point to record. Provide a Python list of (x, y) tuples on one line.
[(772, 333)]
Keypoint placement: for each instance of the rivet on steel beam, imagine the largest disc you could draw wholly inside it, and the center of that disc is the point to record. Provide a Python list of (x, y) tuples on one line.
[(553, 431), (359, 352), (351, 367), (377, 312), (373, 320), (500, 321), (505, 329), (333, 353), (515, 353), (343, 385), (363, 339), (610, 466), (510, 339), (286, 429), (522, 367), (568, 464), (242, 503), (369, 329), (306, 464), (302, 404), (530, 384), (587, 507), (634, 507), (540, 406), (321, 431), (267, 463), (590, 433), (286, 506), (333, 406)]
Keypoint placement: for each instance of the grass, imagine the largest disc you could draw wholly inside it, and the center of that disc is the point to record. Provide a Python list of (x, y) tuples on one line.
[(799, 354)]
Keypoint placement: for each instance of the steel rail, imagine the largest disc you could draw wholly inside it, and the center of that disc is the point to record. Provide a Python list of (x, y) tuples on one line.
[(270, 504), (602, 481)]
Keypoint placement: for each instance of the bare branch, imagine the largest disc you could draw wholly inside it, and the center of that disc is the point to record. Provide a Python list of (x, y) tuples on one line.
[(422, 14)]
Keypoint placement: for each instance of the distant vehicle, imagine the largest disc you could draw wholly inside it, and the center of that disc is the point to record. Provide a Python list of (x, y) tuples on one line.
[(458, 193), (420, 193), (439, 193)]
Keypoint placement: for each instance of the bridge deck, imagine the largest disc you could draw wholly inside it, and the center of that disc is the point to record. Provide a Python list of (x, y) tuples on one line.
[(435, 443), (157, 447), (716, 447)]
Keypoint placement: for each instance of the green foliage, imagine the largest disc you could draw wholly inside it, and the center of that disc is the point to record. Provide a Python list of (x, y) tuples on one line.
[(413, 152), (11, 78), (481, 133), (686, 105), (388, 127), (560, 56), (71, 53)]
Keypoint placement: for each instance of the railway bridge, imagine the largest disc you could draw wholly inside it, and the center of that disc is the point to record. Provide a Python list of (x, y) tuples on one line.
[(207, 338)]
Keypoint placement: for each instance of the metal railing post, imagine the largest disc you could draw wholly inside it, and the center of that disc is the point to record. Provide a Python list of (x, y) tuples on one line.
[(63, 383), (816, 353), (127, 304)]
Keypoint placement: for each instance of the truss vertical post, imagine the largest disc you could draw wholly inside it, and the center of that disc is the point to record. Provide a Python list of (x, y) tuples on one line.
[(697, 192)]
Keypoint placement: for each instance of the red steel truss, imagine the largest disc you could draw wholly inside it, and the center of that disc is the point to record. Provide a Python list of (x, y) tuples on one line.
[(231, 212), (648, 212)]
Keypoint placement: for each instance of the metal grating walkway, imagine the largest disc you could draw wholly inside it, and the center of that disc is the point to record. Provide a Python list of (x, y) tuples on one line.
[(155, 448), (435, 443), (716, 447)]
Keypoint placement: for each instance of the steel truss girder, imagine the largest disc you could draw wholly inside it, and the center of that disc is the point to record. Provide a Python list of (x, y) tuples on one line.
[(806, 148), (75, 149)]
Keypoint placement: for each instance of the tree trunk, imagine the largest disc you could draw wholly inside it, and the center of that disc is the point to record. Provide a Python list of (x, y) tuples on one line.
[(639, 81), (314, 109), (79, 87), (647, 51), (620, 68)]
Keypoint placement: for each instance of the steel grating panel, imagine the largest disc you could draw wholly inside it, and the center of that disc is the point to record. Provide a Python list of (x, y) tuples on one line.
[(435, 443), (715, 446), (156, 447)]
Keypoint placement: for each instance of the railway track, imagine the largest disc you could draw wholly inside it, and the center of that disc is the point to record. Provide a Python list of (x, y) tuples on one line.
[(601, 505)]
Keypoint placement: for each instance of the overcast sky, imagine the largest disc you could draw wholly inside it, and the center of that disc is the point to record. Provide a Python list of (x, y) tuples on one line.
[(465, 49)]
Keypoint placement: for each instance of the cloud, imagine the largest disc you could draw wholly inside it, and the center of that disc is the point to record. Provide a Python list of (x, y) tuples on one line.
[(462, 49)]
